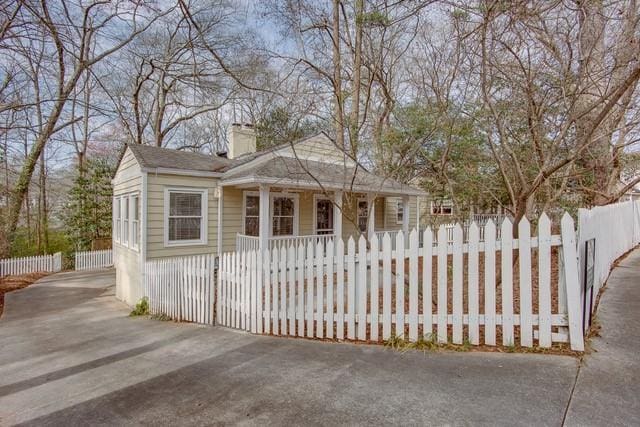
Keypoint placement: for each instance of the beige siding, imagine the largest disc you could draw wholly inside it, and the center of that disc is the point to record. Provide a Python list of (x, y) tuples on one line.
[(319, 148), (391, 207), (231, 217), (127, 262), (156, 185)]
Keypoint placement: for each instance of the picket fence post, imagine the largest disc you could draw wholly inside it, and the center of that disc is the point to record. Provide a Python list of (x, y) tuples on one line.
[(570, 258)]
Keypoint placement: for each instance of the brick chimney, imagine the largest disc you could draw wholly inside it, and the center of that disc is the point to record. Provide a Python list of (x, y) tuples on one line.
[(242, 140)]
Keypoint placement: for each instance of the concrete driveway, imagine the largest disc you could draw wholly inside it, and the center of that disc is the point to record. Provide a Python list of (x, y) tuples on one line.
[(69, 354)]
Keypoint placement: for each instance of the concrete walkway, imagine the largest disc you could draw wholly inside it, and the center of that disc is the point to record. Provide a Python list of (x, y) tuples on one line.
[(607, 391), (69, 354)]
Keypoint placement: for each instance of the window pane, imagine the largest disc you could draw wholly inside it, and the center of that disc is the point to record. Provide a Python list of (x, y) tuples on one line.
[(253, 206), (136, 213), (324, 216), (362, 224), (282, 226), (251, 226), (185, 204), (184, 228), (362, 208)]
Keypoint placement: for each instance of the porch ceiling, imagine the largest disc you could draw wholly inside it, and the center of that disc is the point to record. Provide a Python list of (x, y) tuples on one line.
[(310, 174)]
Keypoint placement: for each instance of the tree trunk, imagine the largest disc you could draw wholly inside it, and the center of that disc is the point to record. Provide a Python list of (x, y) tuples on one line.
[(337, 79)]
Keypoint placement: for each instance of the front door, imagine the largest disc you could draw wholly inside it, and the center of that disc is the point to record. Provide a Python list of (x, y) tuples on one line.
[(324, 216)]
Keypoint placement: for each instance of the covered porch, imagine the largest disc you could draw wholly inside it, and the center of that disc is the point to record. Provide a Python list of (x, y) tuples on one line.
[(284, 201)]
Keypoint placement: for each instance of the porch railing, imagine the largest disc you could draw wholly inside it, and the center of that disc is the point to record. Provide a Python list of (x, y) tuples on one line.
[(246, 243)]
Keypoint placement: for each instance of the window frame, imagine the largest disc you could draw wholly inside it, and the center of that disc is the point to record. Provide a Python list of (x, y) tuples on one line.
[(204, 204), (441, 206), (399, 207), (117, 219), (134, 224), (296, 212), (316, 198), (358, 201), (246, 194)]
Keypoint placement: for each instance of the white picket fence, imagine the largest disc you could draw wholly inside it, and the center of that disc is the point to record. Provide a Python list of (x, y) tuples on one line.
[(182, 288), (361, 293), (31, 264), (91, 260), (616, 230)]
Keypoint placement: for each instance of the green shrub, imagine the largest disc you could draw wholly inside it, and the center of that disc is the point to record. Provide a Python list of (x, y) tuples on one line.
[(141, 309)]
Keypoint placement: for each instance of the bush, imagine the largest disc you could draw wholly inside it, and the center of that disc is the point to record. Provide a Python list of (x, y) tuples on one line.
[(141, 309)]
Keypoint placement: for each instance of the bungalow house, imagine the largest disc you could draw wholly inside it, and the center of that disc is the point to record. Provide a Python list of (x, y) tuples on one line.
[(170, 203)]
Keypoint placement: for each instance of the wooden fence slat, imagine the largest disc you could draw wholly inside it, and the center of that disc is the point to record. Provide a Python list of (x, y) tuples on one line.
[(427, 287), (254, 291), (362, 288), (457, 285), (442, 284), (375, 291), (472, 283), (330, 291), (524, 271), (275, 291), (490, 283), (260, 290), (351, 289), (506, 257), (574, 304), (340, 289), (413, 285), (544, 281), (267, 290), (291, 265), (309, 291), (386, 287), (320, 290), (300, 268), (283, 290), (400, 284)]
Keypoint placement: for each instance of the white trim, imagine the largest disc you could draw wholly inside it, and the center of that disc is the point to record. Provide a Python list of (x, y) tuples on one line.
[(272, 195), (244, 210), (135, 247), (285, 182), (187, 172), (220, 213), (399, 204), (316, 198), (204, 205), (296, 212)]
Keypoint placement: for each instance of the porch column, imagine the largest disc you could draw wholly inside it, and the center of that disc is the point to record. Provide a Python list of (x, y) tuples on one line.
[(371, 219), (263, 234), (337, 214), (405, 217)]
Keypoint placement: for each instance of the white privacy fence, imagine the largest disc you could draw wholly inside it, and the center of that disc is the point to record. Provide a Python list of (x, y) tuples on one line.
[(32, 264), (508, 291), (181, 288), (615, 229), (90, 260)]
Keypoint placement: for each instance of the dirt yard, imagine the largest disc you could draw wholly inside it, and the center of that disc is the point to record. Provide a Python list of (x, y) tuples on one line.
[(12, 283)]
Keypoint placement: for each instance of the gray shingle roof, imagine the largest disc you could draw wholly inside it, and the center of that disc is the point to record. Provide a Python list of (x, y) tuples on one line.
[(309, 172), (154, 157)]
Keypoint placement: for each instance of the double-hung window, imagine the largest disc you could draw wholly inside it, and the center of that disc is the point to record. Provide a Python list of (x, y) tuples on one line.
[(135, 220), (251, 214), (442, 207), (399, 212), (185, 214), (283, 216), (125, 220), (363, 215), (117, 218)]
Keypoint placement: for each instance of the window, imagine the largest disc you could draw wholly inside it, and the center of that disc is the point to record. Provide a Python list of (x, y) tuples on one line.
[(125, 220), (135, 220), (283, 216), (442, 207), (117, 218), (185, 217), (323, 215), (251, 214), (399, 212), (363, 215)]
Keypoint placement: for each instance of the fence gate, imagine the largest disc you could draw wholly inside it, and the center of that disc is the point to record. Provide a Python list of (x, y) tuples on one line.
[(181, 288)]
